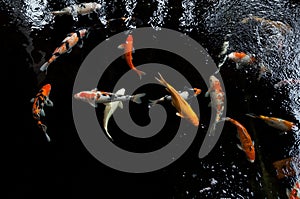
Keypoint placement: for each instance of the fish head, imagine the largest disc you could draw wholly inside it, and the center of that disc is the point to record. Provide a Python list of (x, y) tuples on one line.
[(197, 91), (129, 38), (97, 6), (83, 95), (46, 89), (214, 82), (83, 33), (250, 153)]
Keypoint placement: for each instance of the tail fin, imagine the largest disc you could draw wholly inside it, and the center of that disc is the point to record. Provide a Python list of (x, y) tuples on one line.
[(161, 80), (137, 98), (44, 128), (44, 67), (251, 115), (140, 73), (212, 130), (154, 102)]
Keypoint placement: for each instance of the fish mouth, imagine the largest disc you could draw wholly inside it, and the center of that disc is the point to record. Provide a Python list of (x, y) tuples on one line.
[(252, 161)]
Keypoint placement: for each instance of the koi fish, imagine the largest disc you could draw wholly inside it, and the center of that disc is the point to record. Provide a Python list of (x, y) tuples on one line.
[(41, 99), (274, 122), (110, 108), (80, 9), (294, 193), (241, 58), (94, 97), (66, 46), (284, 28), (183, 108), (217, 100), (184, 94), (128, 49), (247, 145)]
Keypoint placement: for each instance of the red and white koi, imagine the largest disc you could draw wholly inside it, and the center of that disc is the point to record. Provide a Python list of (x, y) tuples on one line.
[(66, 46), (95, 97), (183, 108), (274, 122), (186, 95), (41, 99), (79, 9), (128, 50), (247, 145), (241, 58), (294, 193), (217, 96)]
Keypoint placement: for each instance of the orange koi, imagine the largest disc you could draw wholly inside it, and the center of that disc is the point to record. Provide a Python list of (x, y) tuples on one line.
[(66, 46), (183, 108), (247, 145), (128, 49), (217, 99), (41, 99), (277, 123), (295, 192)]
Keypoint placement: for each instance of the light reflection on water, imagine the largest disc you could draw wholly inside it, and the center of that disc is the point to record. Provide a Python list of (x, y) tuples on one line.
[(188, 20), (159, 15)]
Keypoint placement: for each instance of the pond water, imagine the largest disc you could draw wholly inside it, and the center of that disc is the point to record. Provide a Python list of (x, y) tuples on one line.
[(64, 168)]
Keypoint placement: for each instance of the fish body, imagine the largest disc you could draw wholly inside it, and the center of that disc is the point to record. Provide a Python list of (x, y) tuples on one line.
[(186, 95), (217, 96), (94, 97), (110, 108), (66, 46), (241, 58), (79, 9), (183, 108), (39, 101), (274, 122), (247, 144), (294, 193), (128, 49)]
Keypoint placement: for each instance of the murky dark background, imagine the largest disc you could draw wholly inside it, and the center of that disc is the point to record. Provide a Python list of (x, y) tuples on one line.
[(64, 168)]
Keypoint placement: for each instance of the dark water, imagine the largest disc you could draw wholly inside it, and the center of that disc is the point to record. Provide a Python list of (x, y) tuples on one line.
[(64, 168)]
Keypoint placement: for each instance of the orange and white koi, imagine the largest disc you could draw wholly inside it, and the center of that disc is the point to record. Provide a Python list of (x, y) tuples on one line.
[(274, 122), (241, 58), (217, 96), (41, 99), (247, 145), (128, 49), (184, 94), (294, 193), (183, 108), (66, 46), (79, 9), (94, 97)]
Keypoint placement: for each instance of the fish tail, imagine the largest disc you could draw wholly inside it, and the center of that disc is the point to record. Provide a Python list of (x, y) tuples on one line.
[(140, 73), (44, 128), (107, 133), (154, 102), (161, 80), (251, 115), (44, 67), (137, 98)]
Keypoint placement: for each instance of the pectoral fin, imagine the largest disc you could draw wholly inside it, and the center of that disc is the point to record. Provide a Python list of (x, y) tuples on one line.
[(180, 115), (207, 94), (240, 147), (92, 103), (42, 112), (32, 100), (121, 46), (120, 105)]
